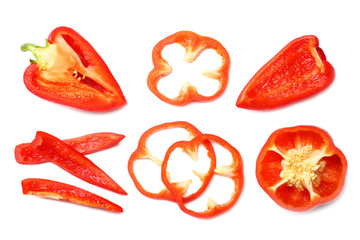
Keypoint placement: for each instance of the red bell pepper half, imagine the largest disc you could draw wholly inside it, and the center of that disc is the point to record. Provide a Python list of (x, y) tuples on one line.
[(300, 168), (298, 71), (86, 144), (194, 45), (69, 71), (143, 153), (234, 171), (61, 191), (66, 157)]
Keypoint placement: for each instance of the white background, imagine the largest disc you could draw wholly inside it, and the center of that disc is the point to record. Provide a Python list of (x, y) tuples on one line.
[(124, 33)]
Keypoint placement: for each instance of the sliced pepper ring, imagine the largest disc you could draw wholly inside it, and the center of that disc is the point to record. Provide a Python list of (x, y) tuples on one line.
[(194, 45), (233, 171), (142, 153), (301, 168)]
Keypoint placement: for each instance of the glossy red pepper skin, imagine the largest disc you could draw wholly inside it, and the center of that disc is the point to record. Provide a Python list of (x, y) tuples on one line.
[(86, 144), (67, 158), (143, 153), (234, 171), (65, 192), (194, 45), (298, 71), (300, 168), (69, 71)]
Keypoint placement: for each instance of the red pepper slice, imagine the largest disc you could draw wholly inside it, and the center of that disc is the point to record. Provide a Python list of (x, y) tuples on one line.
[(69, 71), (233, 171), (194, 45), (61, 191), (301, 168), (298, 71), (143, 153), (86, 144), (66, 157)]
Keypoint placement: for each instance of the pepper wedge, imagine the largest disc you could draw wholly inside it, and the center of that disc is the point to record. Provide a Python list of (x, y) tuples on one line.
[(75, 163), (86, 144), (69, 71), (143, 153), (301, 168), (234, 171), (298, 71), (62, 191), (194, 45)]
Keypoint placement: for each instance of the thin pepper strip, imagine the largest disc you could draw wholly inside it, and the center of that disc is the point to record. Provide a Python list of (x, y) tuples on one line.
[(69, 71), (86, 144), (65, 192), (194, 45), (298, 71), (67, 158), (234, 171), (143, 153)]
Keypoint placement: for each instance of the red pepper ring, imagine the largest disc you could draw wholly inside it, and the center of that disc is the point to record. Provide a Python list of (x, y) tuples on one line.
[(194, 45), (233, 171), (143, 153)]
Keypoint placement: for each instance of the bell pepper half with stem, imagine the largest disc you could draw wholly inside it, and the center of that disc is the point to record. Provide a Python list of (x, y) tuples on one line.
[(143, 153), (234, 171), (67, 158), (194, 45), (65, 192), (298, 71), (86, 144), (300, 168), (69, 71)]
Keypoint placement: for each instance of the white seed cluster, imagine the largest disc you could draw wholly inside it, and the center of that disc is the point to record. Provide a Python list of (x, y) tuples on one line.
[(78, 75), (300, 169)]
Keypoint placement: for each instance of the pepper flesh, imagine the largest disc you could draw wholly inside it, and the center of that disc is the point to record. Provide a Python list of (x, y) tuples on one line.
[(298, 71), (234, 171), (86, 144), (66, 157), (69, 71), (143, 153), (194, 45), (61, 191), (300, 168)]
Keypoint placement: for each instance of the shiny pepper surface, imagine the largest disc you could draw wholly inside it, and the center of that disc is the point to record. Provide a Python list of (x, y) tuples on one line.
[(298, 71)]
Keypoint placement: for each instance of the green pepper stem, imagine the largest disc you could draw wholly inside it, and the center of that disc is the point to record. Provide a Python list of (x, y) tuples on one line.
[(40, 53)]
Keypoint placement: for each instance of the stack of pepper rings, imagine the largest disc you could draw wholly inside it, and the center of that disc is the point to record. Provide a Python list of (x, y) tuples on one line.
[(174, 191), (298, 167)]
